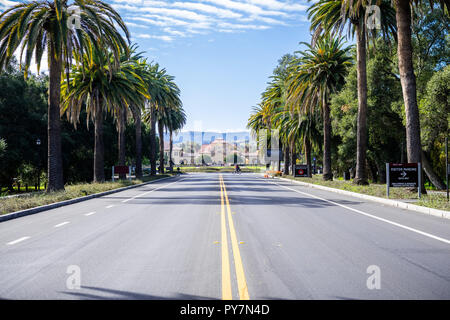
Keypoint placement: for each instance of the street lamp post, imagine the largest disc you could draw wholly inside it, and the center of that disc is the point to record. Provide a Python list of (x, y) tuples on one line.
[(38, 143)]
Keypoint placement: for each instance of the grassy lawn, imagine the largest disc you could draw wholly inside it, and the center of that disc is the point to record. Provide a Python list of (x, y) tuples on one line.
[(431, 200), (6, 191), (71, 191)]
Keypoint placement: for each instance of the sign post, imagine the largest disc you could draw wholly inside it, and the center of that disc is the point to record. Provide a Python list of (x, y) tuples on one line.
[(419, 173), (300, 170), (446, 163), (121, 170), (403, 175), (387, 180)]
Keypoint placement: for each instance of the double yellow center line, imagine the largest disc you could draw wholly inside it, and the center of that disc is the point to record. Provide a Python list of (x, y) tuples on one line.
[(226, 274)]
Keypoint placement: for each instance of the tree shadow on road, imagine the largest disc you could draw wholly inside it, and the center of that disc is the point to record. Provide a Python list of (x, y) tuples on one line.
[(113, 294)]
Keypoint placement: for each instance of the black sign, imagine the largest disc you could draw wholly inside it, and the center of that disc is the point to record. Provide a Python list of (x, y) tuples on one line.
[(300, 170), (403, 175)]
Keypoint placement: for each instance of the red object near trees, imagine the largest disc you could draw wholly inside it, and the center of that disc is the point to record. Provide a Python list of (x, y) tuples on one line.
[(121, 170)]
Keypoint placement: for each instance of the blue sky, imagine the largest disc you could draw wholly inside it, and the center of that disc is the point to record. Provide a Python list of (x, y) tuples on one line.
[(220, 51)]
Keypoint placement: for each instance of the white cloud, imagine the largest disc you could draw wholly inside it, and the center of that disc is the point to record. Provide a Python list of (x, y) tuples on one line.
[(245, 7), (222, 13), (150, 36), (7, 3), (135, 25), (186, 18), (232, 26), (279, 5), (174, 32)]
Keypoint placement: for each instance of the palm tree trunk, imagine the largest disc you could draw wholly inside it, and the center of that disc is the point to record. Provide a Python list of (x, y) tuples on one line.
[(308, 155), (280, 147), (361, 135), (99, 148), (121, 137), (55, 167), (161, 146), (286, 159), (327, 174), (152, 140), (408, 81), (293, 155), (138, 128), (170, 150)]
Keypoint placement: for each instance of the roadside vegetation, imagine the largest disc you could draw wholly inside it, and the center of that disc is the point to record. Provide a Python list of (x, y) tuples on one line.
[(100, 105), (436, 200), (350, 109), (71, 191)]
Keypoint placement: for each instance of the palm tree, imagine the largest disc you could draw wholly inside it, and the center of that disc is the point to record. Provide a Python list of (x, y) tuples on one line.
[(136, 62), (298, 131), (165, 95), (333, 16), (155, 85), (39, 25), (407, 77), (177, 120), (261, 120), (143, 71), (319, 72), (100, 87), (172, 102)]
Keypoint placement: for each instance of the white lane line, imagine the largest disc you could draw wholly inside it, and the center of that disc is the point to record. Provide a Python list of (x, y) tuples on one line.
[(143, 194), (110, 206), (18, 240), (62, 224), (429, 235), (89, 213)]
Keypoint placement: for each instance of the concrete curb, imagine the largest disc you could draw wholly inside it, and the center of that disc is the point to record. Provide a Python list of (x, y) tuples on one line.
[(27, 212), (389, 202)]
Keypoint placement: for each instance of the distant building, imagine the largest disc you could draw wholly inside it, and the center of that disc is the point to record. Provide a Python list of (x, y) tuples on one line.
[(216, 152)]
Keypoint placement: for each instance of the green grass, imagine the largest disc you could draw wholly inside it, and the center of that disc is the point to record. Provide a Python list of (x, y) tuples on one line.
[(6, 191), (431, 200), (71, 191)]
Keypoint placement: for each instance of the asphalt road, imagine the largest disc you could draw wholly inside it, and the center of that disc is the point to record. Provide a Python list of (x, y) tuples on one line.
[(211, 236)]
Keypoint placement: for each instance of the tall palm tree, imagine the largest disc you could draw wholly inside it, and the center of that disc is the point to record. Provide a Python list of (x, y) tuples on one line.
[(155, 86), (333, 16), (177, 120), (165, 95), (39, 25), (100, 87), (172, 102), (260, 123), (407, 77), (135, 61), (143, 71), (315, 75)]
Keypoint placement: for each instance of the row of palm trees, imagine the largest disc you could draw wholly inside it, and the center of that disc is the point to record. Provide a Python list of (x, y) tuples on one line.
[(320, 70), (293, 102), (91, 67)]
